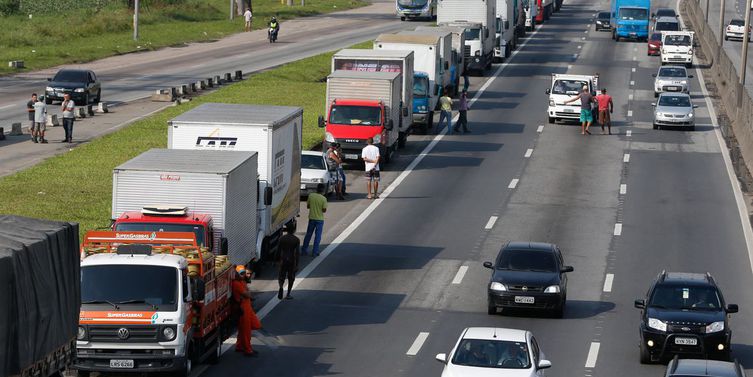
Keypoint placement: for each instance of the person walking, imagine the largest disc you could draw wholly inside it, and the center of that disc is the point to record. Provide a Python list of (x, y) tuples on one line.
[(317, 205), (30, 111), (445, 104), (248, 16), (586, 114), (606, 108), (466, 80), (69, 117), (40, 122), (290, 248), (334, 162), (248, 321), (463, 107), (370, 156)]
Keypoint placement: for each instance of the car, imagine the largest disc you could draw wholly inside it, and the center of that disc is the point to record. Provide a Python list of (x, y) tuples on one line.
[(667, 24), (601, 22), (674, 110), (684, 314), (528, 275), (704, 368), (489, 351), (671, 78), (664, 12), (735, 30), (654, 44), (81, 84), (315, 170)]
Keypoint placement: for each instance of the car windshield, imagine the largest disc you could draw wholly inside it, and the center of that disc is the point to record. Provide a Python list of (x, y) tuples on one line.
[(737, 23), (633, 14), (71, 76), (312, 162), (355, 115), (677, 40), (665, 12), (420, 86), (603, 16), (155, 286), (678, 297), (198, 230), (667, 26), (674, 101), (569, 87), (672, 72), (472, 34), (492, 354), (527, 260)]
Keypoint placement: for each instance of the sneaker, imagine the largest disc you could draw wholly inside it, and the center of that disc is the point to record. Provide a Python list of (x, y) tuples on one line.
[(34, 139), (279, 294), (288, 297), (44, 141)]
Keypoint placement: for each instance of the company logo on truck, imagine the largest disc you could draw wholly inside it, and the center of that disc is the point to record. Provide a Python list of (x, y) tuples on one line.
[(279, 172), (132, 236), (216, 142)]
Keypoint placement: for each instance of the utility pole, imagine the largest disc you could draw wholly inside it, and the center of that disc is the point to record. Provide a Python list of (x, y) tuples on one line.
[(706, 15), (721, 31), (746, 39), (232, 14), (136, 20)]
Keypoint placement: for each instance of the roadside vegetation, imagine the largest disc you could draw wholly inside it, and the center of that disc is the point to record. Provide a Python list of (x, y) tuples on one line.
[(81, 35), (77, 186)]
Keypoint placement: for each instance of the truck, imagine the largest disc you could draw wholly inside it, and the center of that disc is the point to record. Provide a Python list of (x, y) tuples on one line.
[(565, 87), (530, 13), (415, 9), (506, 32), (428, 77), (677, 47), (151, 302), (210, 194), (545, 8), (363, 105), (39, 291), (383, 61), (275, 133), (449, 63), (458, 44), (630, 19), (478, 17)]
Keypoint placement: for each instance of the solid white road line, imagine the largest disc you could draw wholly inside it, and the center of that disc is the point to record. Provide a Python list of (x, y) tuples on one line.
[(632, 69), (580, 47), (626, 157), (623, 189), (635, 58), (630, 97), (608, 282), (583, 38), (618, 229), (540, 129), (491, 222), (528, 154), (417, 344), (513, 183), (630, 113), (632, 83), (6, 106), (593, 355), (459, 276), (628, 133), (585, 31)]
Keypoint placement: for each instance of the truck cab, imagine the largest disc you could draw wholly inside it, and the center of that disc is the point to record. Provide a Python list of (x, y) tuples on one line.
[(152, 219), (423, 106), (677, 47), (563, 88), (351, 122), (415, 9), (545, 8), (630, 19)]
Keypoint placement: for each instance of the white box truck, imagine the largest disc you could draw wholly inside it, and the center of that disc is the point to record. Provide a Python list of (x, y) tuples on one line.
[(177, 191), (400, 61), (677, 47), (563, 88), (479, 19), (449, 65), (275, 133), (506, 41), (458, 44)]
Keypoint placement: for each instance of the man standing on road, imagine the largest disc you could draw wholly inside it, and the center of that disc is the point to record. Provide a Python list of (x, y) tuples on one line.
[(586, 115), (248, 16), (445, 103), (290, 247), (341, 170), (333, 165), (370, 156), (317, 205), (30, 111), (606, 107), (40, 122), (68, 117), (463, 118), (248, 320)]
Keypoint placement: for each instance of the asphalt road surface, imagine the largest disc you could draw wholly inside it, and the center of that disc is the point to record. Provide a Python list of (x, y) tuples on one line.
[(733, 48)]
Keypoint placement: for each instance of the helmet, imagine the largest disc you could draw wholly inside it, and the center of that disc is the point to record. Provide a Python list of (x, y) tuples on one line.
[(274, 18), (240, 269)]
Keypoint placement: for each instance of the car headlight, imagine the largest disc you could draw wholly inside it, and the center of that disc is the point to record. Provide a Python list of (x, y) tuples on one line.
[(318, 180), (378, 138), (81, 334), (552, 289), (551, 102), (659, 115), (328, 137), (49, 89), (168, 333), (690, 52), (79, 90), (657, 324), (422, 108), (690, 115), (478, 53), (499, 287), (715, 327)]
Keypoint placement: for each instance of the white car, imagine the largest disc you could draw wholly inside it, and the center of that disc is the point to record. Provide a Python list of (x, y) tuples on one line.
[(489, 351), (314, 171), (671, 78), (735, 30)]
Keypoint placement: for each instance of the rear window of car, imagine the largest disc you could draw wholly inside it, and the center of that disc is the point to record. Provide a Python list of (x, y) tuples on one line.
[(737, 22), (665, 13), (667, 26), (71, 76), (603, 16)]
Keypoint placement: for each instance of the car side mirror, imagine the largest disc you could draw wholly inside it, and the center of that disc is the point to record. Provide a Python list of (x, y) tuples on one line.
[(223, 246), (690, 76), (567, 269), (640, 304), (695, 106), (488, 265), (653, 75), (198, 290), (442, 358), (653, 104), (544, 364), (548, 91), (732, 308), (268, 196), (320, 121)]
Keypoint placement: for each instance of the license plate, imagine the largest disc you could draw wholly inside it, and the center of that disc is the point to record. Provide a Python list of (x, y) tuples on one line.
[(673, 88), (351, 156), (633, 34), (569, 110), (121, 364), (303, 187), (686, 341), (524, 300)]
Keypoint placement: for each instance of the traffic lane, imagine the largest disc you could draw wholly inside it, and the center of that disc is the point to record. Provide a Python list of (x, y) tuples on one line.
[(732, 48)]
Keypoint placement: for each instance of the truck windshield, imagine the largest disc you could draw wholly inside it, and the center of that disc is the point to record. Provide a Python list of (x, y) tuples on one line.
[(634, 14), (412, 3), (198, 230), (569, 87), (356, 115), (677, 40), (420, 86), (472, 34), (129, 286)]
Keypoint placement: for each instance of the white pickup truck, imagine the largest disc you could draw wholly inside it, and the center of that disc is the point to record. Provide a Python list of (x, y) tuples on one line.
[(563, 88), (677, 47)]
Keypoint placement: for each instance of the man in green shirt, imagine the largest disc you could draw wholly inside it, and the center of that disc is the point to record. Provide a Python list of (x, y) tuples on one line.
[(317, 205), (445, 105)]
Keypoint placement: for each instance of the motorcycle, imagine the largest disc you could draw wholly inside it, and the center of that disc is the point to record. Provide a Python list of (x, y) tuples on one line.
[(272, 35)]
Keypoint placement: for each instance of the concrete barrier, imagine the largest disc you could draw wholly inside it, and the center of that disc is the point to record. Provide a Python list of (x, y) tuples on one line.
[(102, 108), (228, 77), (238, 75), (183, 90), (16, 130), (80, 112), (217, 80), (201, 85), (164, 95), (90, 110), (16, 64), (210, 82), (52, 120), (192, 87)]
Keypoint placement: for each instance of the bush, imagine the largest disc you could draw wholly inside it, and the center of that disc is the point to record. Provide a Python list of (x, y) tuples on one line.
[(8, 7)]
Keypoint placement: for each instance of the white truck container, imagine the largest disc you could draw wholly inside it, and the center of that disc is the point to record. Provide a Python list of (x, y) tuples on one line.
[(565, 87), (222, 185), (677, 47), (505, 29), (449, 70), (458, 44), (275, 133), (530, 12), (479, 18)]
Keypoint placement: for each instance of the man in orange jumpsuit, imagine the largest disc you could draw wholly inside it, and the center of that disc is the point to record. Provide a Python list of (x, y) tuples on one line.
[(248, 320)]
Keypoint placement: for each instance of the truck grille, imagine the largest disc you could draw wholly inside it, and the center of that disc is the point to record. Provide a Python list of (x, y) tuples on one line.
[(467, 51), (136, 334)]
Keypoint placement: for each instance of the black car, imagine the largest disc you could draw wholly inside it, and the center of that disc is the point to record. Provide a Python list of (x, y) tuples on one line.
[(664, 12), (704, 368), (528, 275), (82, 85), (684, 314), (601, 22)]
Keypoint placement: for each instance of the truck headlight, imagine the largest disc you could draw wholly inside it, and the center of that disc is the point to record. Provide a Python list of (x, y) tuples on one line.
[(422, 108), (81, 334), (478, 53), (329, 137), (715, 327), (79, 90), (168, 333), (499, 287), (378, 138), (551, 102), (657, 324), (552, 289), (690, 52)]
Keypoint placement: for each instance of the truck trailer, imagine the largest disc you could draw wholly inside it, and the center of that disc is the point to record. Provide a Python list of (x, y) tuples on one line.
[(506, 32), (449, 65), (478, 17)]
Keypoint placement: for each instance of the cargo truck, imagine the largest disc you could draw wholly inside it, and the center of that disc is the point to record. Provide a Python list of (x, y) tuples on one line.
[(363, 105), (275, 133), (39, 296), (449, 65), (151, 302), (428, 70), (545, 8), (415, 9), (630, 19), (530, 12), (478, 17), (505, 26), (564, 87), (458, 44), (383, 61)]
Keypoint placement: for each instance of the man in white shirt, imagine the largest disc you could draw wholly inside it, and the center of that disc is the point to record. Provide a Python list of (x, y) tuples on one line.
[(370, 156), (248, 16)]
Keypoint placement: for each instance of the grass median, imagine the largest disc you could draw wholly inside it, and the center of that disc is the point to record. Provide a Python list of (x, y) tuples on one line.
[(79, 36), (77, 186)]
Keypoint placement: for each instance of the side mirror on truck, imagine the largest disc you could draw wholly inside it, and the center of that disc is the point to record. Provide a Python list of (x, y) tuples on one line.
[(390, 125), (321, 121), (199, 289), (268, 196), (223, 246), (405, 111), (446, 65), (548, 91)]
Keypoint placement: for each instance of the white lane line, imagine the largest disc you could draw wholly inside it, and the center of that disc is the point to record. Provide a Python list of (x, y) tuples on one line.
[(585, 31), (459, 276), (513, 183), (6, 106), (575, 56), (632, 69), (630, 113), (528, 154), (417, 344), (540, 129), (623, 189), (608, 282), (635, 58), (632, 83), (593, 355), (630, 97), (569, 66), (580, 47), (583, 38), (618, 229), (490, 223), (626, 157), (635, 48), (628, 133)]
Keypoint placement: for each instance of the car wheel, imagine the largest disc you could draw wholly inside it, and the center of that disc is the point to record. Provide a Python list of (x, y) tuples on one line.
[(725, 38), (47, 100), (551, 120), (86, 100), (656, 126), (402, 18), (645, 356), (491, 309), (691, 128)]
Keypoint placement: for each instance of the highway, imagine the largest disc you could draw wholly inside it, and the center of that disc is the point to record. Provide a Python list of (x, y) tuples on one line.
[(399, 283), (733, 9)]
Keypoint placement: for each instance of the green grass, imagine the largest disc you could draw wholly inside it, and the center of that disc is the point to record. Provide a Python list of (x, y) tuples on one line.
[(77, 186), (84, 35)]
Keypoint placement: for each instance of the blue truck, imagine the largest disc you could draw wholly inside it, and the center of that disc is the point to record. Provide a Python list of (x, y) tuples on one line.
[(630, 19)]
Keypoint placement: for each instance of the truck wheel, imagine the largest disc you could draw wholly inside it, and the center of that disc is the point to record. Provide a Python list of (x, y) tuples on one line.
[(83, 373), (429, 122), (401, 139), (214, 358), (551, 120)]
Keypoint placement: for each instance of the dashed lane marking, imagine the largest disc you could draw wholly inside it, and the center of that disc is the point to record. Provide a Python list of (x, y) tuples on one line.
[(623, 189), (528, 154), (630, 113), (632, 69), (628, 133), (630, 97), (626, 157), (490, 223), (618, 229), (540, 129), (632, 83), (514, 183), (459, 276), (593, 355), (417, 344), (608, 282)]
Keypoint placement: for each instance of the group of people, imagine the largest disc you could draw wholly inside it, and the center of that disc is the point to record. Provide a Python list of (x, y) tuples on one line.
[(37, 111), (604, 107), (445, 115)]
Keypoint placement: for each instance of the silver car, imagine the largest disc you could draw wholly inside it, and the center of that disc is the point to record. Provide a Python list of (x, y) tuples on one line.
[(671, 78), (314, 171), (674, 110)]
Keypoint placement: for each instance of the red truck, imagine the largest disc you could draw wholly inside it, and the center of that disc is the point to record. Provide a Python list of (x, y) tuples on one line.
[(546, 8), (201, 225)]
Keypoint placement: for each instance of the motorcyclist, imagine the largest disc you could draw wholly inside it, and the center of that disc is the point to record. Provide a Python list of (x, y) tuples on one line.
[(274, 28)]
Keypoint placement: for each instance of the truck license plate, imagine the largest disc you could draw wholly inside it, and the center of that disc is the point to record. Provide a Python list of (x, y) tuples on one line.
[(686, 341), (121, 364), (524, 300), (569, 110), (351, 156)]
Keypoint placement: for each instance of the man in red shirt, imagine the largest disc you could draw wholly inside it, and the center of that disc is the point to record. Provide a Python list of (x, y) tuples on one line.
[(248, 320), (606, 107)]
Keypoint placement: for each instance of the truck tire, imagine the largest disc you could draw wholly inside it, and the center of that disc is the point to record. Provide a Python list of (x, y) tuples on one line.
[(401, 139), (429, 122), (83, 373), (214, 358)]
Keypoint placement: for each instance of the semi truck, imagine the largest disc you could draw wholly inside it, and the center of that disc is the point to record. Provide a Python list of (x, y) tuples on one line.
[(449, 64), (383, 61), (677, 47), (416, 9), (478, 17), (565, 87), (275, 133), (630, 18), (151, 302), (505, 27), (39, 291), (363, 105)]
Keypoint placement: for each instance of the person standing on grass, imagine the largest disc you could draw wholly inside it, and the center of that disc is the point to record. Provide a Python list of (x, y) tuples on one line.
[(445, 105), (40, 122), (606, 107), (317, 205), (463, 107), (586, 114), (370, 156), (30, 111), (248, 16), (290, 248), (69, 117)]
